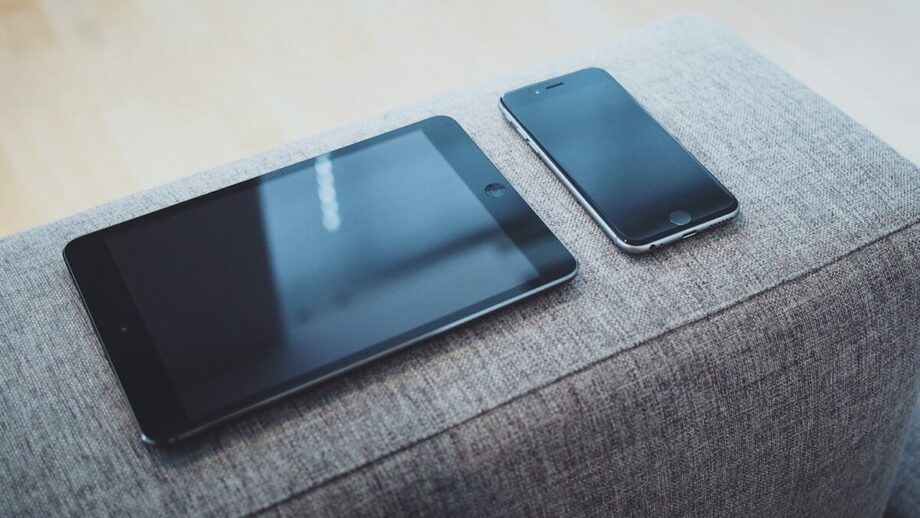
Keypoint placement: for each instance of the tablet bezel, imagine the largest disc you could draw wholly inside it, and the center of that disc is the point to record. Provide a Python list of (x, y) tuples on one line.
[(136, 362)]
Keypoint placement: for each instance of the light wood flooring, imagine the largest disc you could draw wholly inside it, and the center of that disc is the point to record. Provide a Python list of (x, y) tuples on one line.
[(102, 98)]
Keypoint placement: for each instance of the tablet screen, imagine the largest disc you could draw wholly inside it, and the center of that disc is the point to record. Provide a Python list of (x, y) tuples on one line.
[(246, 290)]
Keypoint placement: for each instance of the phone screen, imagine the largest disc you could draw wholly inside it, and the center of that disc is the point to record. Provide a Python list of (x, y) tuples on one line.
[(636, 176)]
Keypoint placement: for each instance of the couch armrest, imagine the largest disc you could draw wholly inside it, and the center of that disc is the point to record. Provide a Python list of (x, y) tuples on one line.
[(765, 367)]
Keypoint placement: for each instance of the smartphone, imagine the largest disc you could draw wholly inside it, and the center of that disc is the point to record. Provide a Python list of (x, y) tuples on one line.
[(632, 176)]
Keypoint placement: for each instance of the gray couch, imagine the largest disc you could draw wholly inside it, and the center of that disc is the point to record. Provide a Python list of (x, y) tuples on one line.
[(769, 367)]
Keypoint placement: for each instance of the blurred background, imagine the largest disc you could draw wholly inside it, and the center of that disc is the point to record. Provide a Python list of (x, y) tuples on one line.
[(99, 99)]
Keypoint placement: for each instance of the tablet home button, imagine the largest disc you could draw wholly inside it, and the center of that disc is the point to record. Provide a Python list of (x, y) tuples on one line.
[(495, 190), (679, 217)]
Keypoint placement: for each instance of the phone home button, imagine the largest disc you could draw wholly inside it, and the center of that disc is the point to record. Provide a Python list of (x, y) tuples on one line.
[(679, 217)]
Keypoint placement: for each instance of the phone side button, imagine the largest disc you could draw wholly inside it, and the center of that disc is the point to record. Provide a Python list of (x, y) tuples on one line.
[(545, 159), (539, 153), (542, 156)]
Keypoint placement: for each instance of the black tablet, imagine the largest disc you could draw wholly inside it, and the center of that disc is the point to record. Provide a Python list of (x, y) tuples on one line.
[(223, 303)]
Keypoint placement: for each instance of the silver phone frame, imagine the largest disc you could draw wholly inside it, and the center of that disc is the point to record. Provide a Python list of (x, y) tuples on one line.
[(679, 233)]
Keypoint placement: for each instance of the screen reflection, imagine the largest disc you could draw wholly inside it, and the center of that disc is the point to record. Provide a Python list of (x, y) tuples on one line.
[(261, 285)]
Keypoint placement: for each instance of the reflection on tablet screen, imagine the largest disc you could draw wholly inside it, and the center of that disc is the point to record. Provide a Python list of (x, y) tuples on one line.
[(256, 286)]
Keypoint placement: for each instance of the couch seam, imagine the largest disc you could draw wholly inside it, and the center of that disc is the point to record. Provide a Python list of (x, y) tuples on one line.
[(584, 368)]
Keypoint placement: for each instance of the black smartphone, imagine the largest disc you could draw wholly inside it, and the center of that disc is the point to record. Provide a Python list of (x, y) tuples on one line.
[(634, 178)]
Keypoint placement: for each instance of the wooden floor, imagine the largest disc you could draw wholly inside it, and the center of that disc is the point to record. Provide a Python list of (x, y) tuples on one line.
[(102, 98)]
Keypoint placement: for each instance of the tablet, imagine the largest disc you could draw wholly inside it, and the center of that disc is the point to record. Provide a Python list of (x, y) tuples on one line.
[(223, 303)]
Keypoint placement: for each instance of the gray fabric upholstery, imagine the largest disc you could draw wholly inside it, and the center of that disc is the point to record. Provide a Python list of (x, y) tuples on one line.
[(768, 367), (905, 497)]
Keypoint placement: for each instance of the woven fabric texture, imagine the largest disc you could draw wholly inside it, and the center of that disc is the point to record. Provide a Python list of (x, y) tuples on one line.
[(905, 496), (768, 366)]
